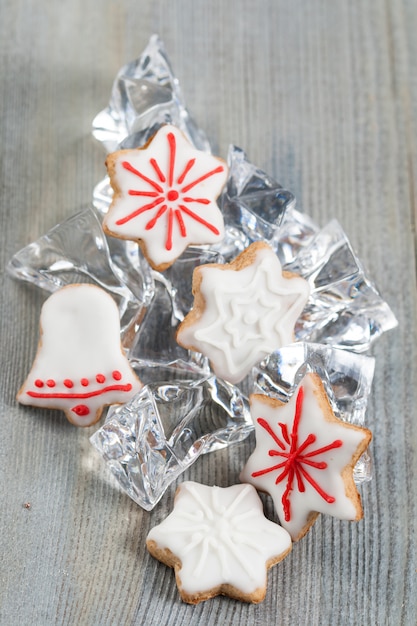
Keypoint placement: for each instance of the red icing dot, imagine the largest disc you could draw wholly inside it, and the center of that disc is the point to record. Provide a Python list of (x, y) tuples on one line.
[(172, 195), (50, 382), (100, 378), (117, 375), (38, 383), (84, 382), (68, 383), (81, 410)]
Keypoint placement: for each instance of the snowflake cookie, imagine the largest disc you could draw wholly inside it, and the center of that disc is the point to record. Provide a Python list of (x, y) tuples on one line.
[(79, 367), (304, 457), (165, 196), (242, 311), (219, 542)]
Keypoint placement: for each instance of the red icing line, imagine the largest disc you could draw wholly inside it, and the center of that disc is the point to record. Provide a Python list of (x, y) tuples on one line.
[(172, 150), (298, 408), (269, 430), (155, 166), (284, 431), (295, 460), (147, 194), (181, 224), (147, 207), (200, 200), (336, 444), (133, 170), (88, 394), (313, 483), (269, 469), (217, 170), (285, 496), (168, 243), (153, 221), (199, 219), (185, 172)]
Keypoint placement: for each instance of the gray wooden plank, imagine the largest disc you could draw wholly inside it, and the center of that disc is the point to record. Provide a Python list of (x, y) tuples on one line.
[(323, 95)]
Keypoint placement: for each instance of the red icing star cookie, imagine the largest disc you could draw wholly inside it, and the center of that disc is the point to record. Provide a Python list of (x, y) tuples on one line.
[(165, 197), (304, 457)]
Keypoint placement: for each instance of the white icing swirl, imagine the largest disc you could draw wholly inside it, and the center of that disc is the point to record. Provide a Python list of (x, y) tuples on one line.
[(248, 313)]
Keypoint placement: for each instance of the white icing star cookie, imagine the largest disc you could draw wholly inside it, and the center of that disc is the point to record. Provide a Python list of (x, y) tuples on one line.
[(165, 196), (219, 542), (242, 311), (304, 457), (80, 366)]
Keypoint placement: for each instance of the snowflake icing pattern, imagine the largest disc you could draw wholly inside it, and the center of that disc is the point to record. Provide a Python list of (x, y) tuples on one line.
[(250, 309), (176, 191), (221, 537)]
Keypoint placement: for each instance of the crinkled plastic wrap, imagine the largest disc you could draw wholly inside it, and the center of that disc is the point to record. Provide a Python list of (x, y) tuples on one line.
[(77, 251), (345, 309), (253, 205), (141, 442), (145, 95), (151, 440), (155, 342)]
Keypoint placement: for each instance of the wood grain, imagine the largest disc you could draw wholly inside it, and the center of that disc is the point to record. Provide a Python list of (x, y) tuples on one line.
[(323, 95)]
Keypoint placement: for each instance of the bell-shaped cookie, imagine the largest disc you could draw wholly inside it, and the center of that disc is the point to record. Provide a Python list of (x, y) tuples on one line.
[(80, 366)]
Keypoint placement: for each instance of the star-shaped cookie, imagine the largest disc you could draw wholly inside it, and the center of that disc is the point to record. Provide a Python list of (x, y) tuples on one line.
[(304, 457), (219, 542), (165, 196), (242, 311)]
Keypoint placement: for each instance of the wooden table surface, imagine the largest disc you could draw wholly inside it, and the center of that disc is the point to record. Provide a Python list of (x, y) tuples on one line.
[(323, 96)]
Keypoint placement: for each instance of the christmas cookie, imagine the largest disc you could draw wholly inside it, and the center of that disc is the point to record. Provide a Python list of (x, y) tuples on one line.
[(165, 197), (219, 542), (242, 311), (304, 457), (80, 366)]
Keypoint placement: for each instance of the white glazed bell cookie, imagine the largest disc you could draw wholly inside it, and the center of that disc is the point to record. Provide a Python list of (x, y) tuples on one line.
[(242, 311), (165, 196), (304, 457), (219, 542), (79, 367)]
